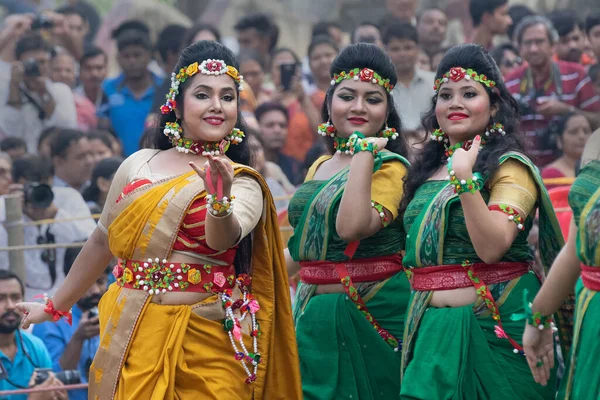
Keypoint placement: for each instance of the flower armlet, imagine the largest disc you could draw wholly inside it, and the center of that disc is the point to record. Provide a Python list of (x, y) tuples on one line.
[(385, 221), (513, 215)]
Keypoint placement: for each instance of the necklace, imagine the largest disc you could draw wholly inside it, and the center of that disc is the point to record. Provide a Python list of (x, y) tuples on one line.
[(186, 145)]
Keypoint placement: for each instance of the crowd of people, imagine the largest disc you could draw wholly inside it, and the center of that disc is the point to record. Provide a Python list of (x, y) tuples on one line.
[(87, 148)]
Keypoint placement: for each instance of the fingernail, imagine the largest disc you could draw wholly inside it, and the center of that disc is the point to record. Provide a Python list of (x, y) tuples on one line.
[(477, 137)]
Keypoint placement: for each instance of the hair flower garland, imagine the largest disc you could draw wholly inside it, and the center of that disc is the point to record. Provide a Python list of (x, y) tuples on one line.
[(365, 75), (459, 73)]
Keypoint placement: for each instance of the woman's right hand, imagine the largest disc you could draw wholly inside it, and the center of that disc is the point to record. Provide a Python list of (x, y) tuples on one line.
[(34, 313)]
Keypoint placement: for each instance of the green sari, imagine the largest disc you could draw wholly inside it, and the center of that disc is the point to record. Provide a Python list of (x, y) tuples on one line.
[(582, 381), (454, 353), (341, 354)]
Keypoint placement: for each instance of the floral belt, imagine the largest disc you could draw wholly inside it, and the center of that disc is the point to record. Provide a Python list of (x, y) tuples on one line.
[(361, 270), (590, 277), (156, 276)]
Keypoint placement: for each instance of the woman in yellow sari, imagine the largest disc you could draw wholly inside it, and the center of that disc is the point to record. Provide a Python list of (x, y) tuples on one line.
[(201, 305)]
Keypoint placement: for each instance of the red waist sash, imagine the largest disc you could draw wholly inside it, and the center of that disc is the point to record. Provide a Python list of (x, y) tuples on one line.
[(447, 277), (590, 277), (362, 270), (156, 277)]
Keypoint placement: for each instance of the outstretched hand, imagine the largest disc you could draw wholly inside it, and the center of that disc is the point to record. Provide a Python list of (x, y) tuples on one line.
[(34, 313), (539, 351), (463, 160), (217, 167)]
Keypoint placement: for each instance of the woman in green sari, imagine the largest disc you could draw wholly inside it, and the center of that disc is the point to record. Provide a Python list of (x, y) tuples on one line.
[(470, 200), (580, 256), (353, 294)]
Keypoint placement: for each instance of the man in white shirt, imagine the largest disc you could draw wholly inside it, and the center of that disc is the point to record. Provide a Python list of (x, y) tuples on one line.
[(414, 90), (29, 101)]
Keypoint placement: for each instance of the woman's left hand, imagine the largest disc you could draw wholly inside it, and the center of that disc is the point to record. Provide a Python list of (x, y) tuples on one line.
[(379, 142), (219, 167), (463, 160), (539, 351)]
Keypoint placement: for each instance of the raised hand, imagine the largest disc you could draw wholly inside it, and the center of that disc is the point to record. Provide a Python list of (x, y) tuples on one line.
[(463, 160), (219, 168), (539, 351)]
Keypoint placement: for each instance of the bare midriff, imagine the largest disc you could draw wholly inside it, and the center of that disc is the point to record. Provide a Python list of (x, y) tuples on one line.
[(453, 298)]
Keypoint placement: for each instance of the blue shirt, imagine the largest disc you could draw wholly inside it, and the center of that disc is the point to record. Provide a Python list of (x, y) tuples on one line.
[(127, 113), (57, 336), (21, 367)]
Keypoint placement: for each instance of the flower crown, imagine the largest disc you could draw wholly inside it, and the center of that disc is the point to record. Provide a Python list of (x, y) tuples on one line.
[(207, 67), (458, 73), (365, 75)]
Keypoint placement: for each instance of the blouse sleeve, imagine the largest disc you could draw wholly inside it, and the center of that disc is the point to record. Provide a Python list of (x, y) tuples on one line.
[(514, 185), (248, 202), (387, 186)]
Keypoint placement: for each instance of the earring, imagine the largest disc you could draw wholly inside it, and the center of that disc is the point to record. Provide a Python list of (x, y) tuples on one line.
[(493, 128), (388, 133), (173, 131), (326, 129), (439, 136)]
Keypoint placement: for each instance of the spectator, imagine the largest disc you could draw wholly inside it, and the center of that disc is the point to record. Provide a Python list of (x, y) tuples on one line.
[(490, 18), (413, 92), (44, 267), (77, 24), (131, 94), (423, 61), (367, 32), (253, 70), (72, 159), (259, 32), (321, 53), (201, 31), (437, 58), (20, 352), (594, 74), (517, 12), (5, 178), (574, 130), (43, 148), (274, 121), (547, 90), (90, 15), (95, 194), (507, 57), (432, 26), (73, 346), (34, 102), (331, 29), (592, 30), (93, 71), (571, 39), (101, 144), (278, 183), (15, 147), (303, 115), (63, 69), (404, 10)]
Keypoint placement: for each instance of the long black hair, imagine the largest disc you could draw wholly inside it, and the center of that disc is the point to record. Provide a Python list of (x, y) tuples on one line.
[(239, 153), (432, 155), (104, 169), (367, 55)]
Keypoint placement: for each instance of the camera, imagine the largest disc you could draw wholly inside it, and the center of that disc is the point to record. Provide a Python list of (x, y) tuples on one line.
[(38, 195), (41, 21), (68, 377), (93, 313), (31, 67)]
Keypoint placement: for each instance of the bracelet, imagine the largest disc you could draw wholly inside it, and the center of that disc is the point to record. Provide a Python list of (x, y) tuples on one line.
[(512, 214), (470, 185), (56, 314), (385, 221), (356, 144), (219, 208)]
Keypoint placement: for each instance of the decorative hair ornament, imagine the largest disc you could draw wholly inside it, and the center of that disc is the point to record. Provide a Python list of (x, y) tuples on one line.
[(365, 75), (459, 73), (185, 145), (206, 67)]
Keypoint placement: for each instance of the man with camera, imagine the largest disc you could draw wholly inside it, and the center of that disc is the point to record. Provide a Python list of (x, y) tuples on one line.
[(72, 347), (24, 359), (29, 101)]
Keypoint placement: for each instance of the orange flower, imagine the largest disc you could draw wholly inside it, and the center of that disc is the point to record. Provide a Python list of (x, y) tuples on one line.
[(192, 69), (232, 72), (194, 276), (127, 275)]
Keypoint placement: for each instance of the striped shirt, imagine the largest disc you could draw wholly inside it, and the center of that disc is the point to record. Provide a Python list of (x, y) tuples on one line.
[(538, 130)]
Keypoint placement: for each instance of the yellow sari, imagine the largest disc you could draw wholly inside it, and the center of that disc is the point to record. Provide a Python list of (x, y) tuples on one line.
[(152, 351)]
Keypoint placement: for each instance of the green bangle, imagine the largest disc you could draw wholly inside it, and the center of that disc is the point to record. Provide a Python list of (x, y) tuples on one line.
[(470, 185), (357, 143)]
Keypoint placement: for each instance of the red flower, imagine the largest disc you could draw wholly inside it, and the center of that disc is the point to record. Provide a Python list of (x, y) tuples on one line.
[(214, 66), (457, 73), (366, 74), (165, 109)]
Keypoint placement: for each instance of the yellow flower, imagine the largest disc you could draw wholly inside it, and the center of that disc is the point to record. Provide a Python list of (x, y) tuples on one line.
[(232, 72), (192, 69), (127, 275), (194, 276)]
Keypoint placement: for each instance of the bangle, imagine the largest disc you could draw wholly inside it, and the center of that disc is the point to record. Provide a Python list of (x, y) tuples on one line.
[(385, 221), (512, 214), (56, 314), (219, 208), (461, 186), (357, 143)]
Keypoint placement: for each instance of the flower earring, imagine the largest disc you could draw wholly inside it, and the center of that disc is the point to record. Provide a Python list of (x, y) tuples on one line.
[(173, 130), (495, 128), (388, 133), (326, 129), (439, 136)]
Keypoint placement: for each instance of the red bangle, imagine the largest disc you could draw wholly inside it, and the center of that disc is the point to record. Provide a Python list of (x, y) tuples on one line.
[(56, 314)]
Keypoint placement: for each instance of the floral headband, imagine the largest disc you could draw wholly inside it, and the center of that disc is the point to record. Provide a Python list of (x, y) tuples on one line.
[(365, 75), (458, 73), (207, 67)]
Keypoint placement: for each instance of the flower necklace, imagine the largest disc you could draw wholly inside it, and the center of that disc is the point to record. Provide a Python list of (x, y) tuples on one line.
[(186, 145)]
